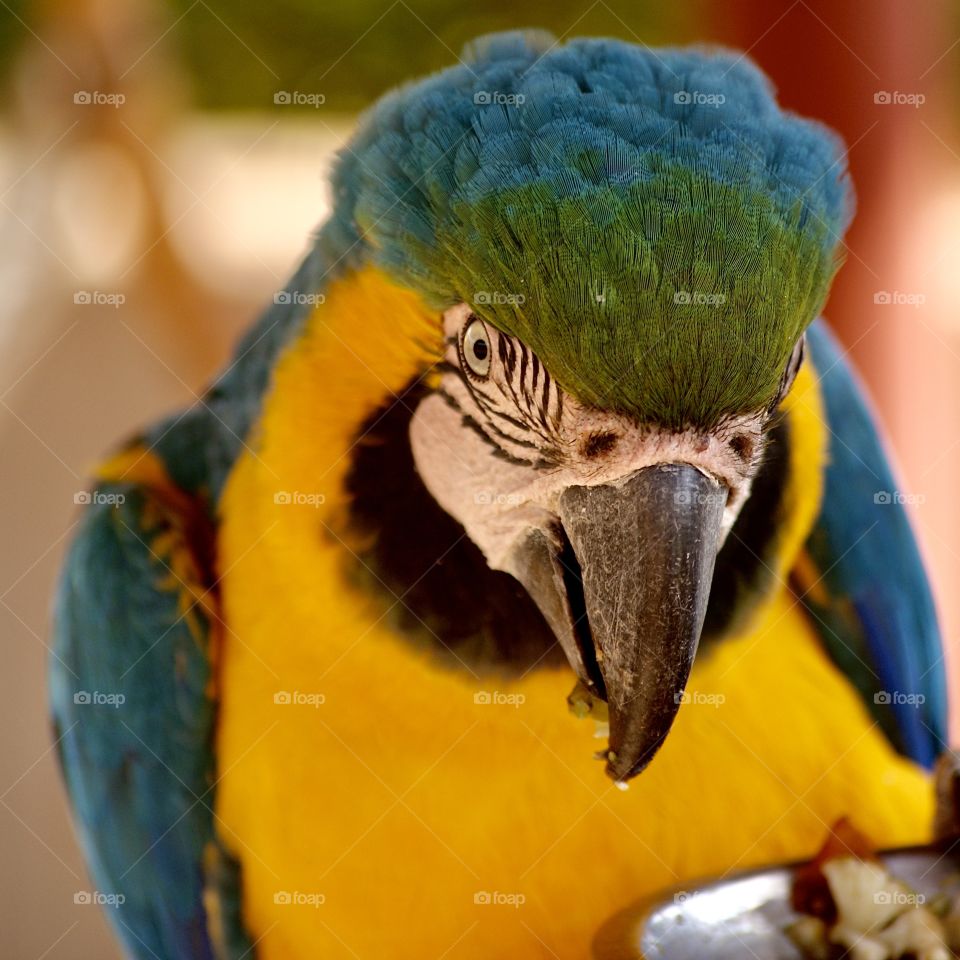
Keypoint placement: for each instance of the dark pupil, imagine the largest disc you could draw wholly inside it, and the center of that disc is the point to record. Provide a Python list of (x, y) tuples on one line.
[(480, 349)]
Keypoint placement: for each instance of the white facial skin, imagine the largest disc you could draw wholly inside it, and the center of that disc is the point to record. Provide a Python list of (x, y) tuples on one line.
[(526, 440)]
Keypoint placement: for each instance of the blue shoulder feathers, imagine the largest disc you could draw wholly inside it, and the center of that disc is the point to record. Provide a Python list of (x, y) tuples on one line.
[(872, 604)]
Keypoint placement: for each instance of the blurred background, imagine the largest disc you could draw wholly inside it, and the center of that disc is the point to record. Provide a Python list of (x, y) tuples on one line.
[(162, 165)]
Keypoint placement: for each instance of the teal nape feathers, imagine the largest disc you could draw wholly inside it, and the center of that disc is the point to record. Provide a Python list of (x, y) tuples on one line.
[(645, 220)]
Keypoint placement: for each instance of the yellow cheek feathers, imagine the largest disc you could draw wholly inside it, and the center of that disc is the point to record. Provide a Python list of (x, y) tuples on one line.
[(800, 505), (808, 456), (362, 346)]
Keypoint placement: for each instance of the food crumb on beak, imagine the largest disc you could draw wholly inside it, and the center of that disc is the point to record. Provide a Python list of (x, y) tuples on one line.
[(621, 785)]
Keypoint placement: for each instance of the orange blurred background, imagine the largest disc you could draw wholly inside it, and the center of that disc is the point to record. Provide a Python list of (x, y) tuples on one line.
[(141, 236)]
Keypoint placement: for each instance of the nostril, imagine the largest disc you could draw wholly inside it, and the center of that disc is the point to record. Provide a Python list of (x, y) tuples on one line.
[(597, 444), (743, 446)]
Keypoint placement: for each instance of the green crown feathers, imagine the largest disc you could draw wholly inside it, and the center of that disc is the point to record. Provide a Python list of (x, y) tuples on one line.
[(650, 222)]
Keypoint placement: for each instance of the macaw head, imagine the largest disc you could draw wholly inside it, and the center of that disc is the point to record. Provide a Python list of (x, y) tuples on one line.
[(623, 247)]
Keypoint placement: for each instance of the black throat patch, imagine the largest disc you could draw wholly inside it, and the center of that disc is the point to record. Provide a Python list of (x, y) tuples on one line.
[(433, 578)]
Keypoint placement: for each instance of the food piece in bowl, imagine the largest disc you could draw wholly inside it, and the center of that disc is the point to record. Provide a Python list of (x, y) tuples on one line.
[(867, 898), (811, 892), (918, 933), (810, 934), (852, 906)]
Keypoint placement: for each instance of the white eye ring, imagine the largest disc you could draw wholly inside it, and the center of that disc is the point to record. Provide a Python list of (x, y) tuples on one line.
[(476, 348)]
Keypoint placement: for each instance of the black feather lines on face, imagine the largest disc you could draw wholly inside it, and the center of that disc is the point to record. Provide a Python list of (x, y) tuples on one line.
[(516, 409), (743, 573)]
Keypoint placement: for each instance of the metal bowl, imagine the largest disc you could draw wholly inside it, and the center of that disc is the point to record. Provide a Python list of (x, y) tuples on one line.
[(745, 916)]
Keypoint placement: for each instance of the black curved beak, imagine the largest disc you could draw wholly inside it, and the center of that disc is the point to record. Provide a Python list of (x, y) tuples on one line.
[(624, 585)]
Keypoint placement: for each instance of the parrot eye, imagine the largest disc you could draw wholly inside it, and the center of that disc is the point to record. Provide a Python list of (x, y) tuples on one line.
[(476, 348)]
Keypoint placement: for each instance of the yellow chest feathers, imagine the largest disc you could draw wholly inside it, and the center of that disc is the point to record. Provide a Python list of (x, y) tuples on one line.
[(383, 806)]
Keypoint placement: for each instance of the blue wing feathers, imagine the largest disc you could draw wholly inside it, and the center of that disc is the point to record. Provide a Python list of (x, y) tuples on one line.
[(130, 697), (877, 618)]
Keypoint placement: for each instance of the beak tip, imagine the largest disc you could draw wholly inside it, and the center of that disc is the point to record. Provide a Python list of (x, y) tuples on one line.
[(627, 757), (623, 774)]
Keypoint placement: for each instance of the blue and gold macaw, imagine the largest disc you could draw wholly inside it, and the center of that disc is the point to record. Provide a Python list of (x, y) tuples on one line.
[(547, 406)]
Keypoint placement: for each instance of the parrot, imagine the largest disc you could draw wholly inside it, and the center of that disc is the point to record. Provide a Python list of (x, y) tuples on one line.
[(536, 552)]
